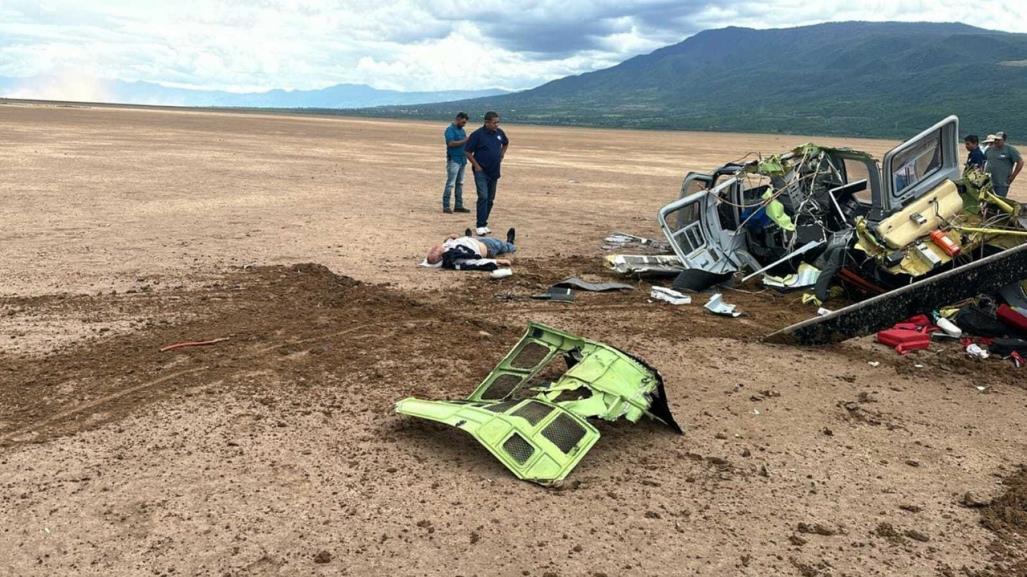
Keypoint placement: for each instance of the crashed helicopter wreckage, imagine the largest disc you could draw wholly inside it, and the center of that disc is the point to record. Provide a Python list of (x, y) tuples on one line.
[(835, 217), (532, 413)]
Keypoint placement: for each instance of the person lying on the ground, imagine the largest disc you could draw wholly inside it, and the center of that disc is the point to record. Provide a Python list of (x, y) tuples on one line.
[(470, 253)]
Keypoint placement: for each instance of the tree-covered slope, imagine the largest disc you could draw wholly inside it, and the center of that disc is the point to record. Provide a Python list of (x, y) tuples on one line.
[(853, 78)]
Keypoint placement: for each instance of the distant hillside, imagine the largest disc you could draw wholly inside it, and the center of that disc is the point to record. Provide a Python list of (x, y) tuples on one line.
[(853, 78), (339, 96)]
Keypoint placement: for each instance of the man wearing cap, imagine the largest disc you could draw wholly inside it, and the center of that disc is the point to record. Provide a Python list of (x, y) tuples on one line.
[(988, 141), (974, 155), (1004, 164)]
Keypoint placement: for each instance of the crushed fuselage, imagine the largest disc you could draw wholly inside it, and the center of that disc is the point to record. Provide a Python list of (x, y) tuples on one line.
[(861, 224)]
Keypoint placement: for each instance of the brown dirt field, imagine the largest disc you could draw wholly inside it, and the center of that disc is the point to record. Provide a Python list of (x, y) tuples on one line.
[(276, 452)]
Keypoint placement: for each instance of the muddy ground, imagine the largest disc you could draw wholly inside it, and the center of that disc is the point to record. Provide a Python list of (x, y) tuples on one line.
[(276, 452)]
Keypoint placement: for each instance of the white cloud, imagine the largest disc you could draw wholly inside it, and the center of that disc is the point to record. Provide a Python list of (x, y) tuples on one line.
[(1006, 16), (252, 45), (62, 85)]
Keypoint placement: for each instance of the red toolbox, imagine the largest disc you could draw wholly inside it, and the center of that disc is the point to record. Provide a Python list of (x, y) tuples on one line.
[(904, 340)]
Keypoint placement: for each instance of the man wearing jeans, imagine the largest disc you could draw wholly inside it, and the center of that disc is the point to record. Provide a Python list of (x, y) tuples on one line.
[(456, 161), (485, 149)]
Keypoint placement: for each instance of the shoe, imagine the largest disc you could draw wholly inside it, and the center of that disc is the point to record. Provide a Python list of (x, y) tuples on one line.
[(447, 211), (467, 232), (460, 209), (482, 231), (488, 230), (511, 235)]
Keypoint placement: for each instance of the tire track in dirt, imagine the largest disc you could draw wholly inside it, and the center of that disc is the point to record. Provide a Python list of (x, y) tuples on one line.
[(251, 306), (96, 403)]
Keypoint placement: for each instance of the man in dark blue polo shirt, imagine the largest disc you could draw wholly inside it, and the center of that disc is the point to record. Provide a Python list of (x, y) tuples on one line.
[(485, 149), (974, 155)]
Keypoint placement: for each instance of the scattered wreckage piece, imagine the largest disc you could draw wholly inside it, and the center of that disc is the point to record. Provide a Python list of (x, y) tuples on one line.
[(717, 306), (603, 381), (800, 251), (670, 296), (563, 291), (619, 240), (556, 293), (531, 413), (536, 440), (575, 282), (805, 277), (878, 312), (645, 265)]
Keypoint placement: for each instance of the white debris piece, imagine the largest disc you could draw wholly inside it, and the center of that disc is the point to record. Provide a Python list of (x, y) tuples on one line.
[(618, 239), (670, 295), (949, 327), (717, 306), (621, 240), (645, 264), (975, 351), (807, 276), (501, 273), (823, 312)]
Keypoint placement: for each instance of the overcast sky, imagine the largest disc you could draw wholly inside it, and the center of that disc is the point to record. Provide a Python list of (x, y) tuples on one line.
[(406, 45)]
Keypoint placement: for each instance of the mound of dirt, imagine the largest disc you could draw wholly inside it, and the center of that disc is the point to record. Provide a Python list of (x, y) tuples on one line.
[(314, 283), (1006, 516), (265, 313), (1008, 512)]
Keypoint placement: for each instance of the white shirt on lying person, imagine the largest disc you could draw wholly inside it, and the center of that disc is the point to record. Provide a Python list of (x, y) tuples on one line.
[(466, 253)]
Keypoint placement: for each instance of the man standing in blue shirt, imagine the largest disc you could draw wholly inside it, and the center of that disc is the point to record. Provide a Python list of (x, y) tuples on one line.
[(456, 162), (485, 149), (974, 154)]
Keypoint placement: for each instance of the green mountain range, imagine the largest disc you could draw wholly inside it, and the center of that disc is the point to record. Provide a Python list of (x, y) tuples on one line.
[(885, 79)]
